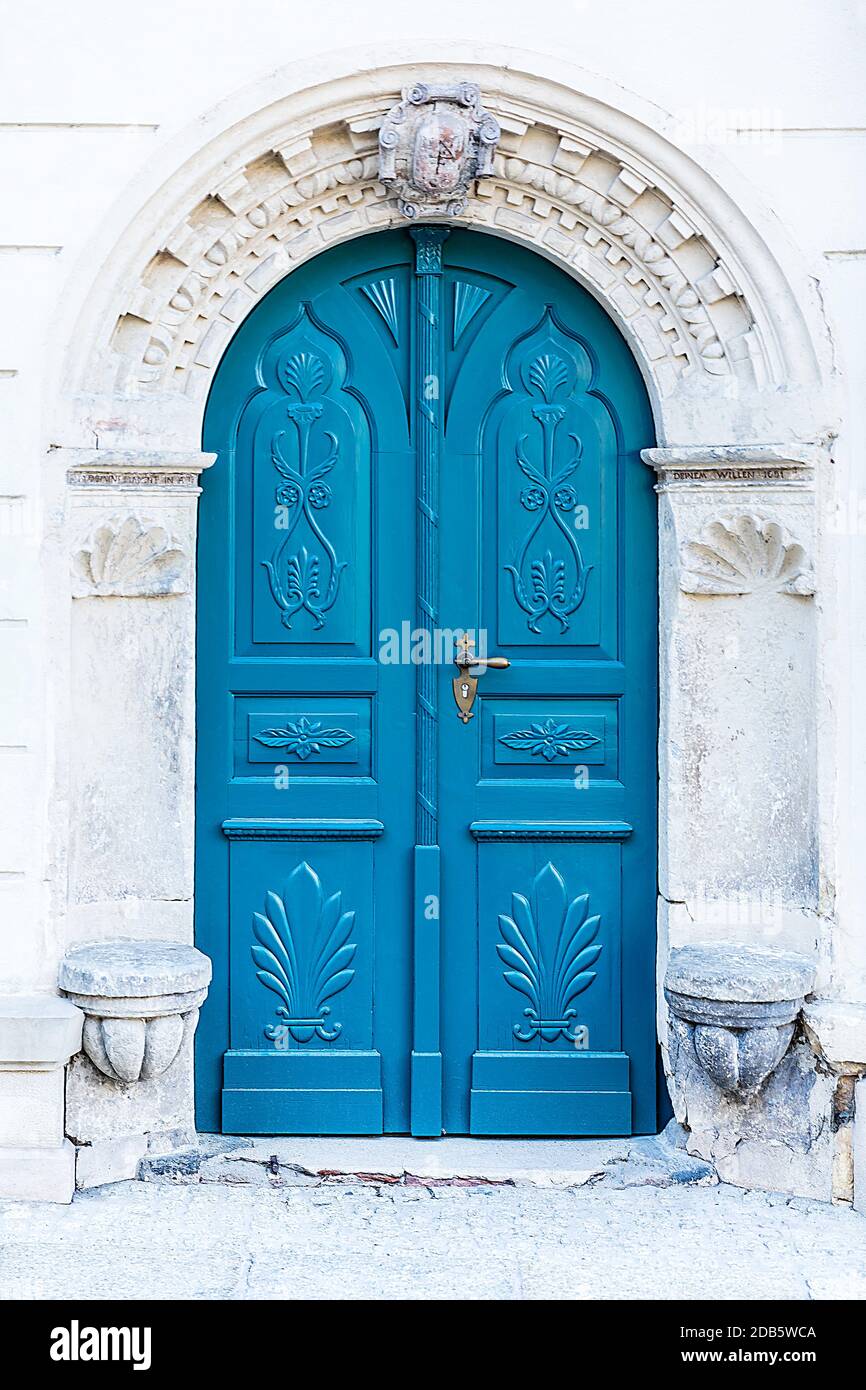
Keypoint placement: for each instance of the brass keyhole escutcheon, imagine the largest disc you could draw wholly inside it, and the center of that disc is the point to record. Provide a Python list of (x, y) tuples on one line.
[(465, 686)]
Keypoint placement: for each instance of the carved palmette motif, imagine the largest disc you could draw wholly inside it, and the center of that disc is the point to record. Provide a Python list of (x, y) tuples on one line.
[(303, 954), (433, 145), (745, 554), (127, 557), (548, 948)]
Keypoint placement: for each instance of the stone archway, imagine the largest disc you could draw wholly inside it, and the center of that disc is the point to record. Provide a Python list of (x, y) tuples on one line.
[(732, 367), (672, 258)]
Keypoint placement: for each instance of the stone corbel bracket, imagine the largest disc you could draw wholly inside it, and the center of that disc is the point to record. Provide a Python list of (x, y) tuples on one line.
[(140, 1000), (741, 1004)]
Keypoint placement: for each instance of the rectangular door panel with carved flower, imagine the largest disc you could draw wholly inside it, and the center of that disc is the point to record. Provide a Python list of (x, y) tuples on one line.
[(558, 739)]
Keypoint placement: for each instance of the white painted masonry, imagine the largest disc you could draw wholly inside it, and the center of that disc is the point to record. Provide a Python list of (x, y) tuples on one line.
[(697, 168)]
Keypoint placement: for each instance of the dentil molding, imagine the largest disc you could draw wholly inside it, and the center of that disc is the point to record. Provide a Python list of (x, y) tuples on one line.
[(563, 189)]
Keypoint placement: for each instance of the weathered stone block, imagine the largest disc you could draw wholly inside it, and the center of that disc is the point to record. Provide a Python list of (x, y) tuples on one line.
[(111, 1160), (38, 1034), (778, 1139), (98, 1108), (38, 1175), (31, 1107), (38, 1029)]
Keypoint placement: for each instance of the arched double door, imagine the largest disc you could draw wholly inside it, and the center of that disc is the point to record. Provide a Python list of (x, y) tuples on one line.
[(428, 888)]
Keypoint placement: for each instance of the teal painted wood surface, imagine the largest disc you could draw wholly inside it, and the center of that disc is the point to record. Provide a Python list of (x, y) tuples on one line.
[(417, 924)]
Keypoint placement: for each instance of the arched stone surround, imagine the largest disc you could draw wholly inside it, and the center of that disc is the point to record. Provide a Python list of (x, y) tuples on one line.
[(678, 264), (677, 300), (733, 356)]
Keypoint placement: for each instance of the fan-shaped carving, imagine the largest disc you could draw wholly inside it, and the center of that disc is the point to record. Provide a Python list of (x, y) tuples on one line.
[(744, 555), (303, 955), (130, 558), (548, 948), (468, 300), (382, 294)]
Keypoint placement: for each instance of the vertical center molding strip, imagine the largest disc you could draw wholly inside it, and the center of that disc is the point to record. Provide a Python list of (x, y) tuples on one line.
[(426, 1075), (428, 429)]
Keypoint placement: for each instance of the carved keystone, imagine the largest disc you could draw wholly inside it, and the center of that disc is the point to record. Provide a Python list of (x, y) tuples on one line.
[(434, 145), (141, 1001), (741, 1003)]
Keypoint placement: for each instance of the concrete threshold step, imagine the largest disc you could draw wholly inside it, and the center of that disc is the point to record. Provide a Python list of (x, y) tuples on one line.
[(396, 1159)]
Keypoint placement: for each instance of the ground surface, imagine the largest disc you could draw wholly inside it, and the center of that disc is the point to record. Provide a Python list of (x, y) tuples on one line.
[(580, 1222)]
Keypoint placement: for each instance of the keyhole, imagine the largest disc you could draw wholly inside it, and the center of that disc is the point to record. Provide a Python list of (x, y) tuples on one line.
[(464, 690)]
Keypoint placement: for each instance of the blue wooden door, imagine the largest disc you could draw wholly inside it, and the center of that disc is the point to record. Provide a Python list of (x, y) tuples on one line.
[(424, 918)]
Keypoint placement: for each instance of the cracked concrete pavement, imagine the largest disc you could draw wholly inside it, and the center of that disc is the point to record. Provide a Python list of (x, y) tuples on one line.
[(238, 1223)]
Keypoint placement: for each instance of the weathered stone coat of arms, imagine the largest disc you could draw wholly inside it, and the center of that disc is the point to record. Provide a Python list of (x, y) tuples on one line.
[(433, 145)]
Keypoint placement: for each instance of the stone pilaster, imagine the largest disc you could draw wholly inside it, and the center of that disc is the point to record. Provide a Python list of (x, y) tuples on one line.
[(132, 534), (737, 741), (738, 756)]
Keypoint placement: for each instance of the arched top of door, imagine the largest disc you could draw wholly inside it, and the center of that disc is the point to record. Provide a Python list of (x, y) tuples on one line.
[(715, 316)]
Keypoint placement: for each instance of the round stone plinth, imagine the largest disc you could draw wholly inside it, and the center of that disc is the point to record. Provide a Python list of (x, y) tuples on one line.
[(140, 1000), (739, 974), (134, 969), (740, 1004)]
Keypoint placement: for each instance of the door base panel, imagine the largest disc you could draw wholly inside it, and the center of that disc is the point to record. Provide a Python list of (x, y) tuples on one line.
[(320, 1092), (302, 1112), (554, 1113), (550, 1093)]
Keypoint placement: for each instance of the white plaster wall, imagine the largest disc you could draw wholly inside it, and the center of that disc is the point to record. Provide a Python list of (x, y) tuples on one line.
[(91, 96)]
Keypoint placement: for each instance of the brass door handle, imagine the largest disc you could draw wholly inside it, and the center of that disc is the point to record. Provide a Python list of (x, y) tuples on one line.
[(466, 686)]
